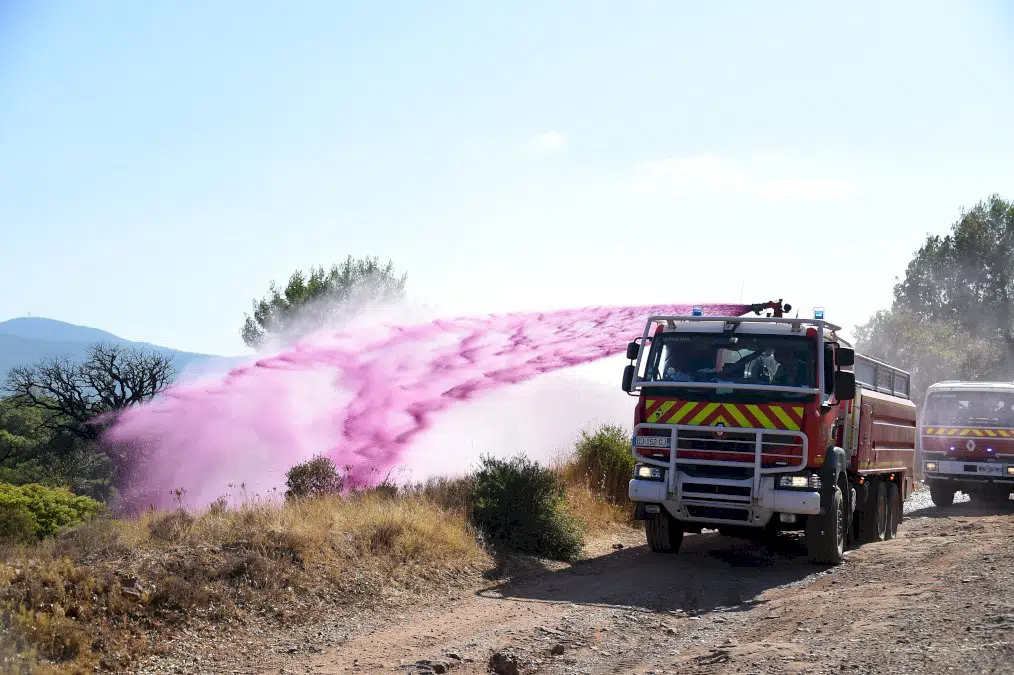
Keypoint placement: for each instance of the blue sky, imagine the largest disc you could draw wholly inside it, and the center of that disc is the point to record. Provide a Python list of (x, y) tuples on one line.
[(161, 162)]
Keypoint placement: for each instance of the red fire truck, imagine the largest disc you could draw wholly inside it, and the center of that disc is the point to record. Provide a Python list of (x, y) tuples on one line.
[(967, 440), (762, 423)]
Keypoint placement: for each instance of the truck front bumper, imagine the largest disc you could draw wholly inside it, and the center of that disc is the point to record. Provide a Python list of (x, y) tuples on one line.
[(970, 477), (949, 469), (707, 480), (754, 510)]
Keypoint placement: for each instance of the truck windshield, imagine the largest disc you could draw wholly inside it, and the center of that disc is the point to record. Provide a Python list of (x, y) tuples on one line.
[(782, 360), (971, 408)]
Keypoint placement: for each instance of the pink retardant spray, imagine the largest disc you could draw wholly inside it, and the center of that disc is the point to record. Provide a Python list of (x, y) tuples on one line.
[(361, 396)]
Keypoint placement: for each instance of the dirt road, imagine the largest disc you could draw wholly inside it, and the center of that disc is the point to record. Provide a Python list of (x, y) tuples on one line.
[(938, 599)]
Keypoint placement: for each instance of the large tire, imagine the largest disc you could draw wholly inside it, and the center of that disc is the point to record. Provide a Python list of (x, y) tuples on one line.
[(663, 533), (941, 495), (893, 510), (825, 533), (872, 525)]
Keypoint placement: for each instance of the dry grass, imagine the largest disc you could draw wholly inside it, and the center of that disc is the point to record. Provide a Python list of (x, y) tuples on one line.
[(591, 498), (107, 594), (587, 500), (451, 494), (94, 597), (595, 515)]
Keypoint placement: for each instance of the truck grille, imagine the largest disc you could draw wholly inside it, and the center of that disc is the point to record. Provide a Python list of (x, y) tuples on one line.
[(707, 440), (778, 449), (717, 512), (718, 490), (706, 471)]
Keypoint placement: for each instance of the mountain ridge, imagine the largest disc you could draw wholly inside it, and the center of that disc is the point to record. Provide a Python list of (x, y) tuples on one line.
[(54, 330), (27, 340)]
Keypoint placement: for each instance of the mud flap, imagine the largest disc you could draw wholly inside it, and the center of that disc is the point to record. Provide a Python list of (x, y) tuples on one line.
[(850, 529)]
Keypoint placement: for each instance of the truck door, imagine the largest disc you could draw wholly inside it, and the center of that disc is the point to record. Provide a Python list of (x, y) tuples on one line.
[(850, 424), (866, 457)]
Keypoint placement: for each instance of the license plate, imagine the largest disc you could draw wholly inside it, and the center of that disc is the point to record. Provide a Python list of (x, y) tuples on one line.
[(990, 469), (652, 441)]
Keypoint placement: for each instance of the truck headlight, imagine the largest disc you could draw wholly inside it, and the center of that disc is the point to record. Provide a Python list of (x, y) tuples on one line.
[(799, 481), (648, 472), (932, 466), (1010, 470)]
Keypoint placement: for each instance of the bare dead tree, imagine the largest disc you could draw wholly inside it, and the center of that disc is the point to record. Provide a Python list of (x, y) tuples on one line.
[(75, 398)]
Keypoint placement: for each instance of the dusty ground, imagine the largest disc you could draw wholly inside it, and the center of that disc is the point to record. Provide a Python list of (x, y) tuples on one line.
[(938, 599)]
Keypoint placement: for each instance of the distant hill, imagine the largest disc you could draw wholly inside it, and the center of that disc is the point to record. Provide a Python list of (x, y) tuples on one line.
[(27, 340), (51, 330)]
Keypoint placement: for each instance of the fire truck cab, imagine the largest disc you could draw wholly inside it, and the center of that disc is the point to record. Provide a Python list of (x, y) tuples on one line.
[(967, 440), (756, 424)]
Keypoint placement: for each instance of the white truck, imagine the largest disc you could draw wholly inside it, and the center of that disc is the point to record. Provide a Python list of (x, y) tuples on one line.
[(967, 440)]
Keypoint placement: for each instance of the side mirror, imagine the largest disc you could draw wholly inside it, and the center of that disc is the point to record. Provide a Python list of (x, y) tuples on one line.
[(628, 378), (846, 357), (844, 385), (632, 349)]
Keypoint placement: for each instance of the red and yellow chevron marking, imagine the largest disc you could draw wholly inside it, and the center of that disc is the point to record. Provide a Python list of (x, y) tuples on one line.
[(742, 415), (967, 431)]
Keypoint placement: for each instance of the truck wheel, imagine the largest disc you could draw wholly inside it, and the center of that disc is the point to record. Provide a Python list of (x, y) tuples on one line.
[(882, 511), (893, 510), (663, 533), (825, 533), (873, 523), (941, 495)]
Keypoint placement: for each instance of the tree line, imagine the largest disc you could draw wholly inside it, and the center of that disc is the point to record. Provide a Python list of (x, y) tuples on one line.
[(53, 413), (953, 312)]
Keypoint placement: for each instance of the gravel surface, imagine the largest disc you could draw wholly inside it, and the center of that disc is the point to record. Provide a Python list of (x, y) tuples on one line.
[(920, 499), (939, 598)]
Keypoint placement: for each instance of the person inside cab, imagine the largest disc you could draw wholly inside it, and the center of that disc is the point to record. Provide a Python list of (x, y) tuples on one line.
[(760, 368), (1004, 412), (685, 362), (984, 409), (791, 370)]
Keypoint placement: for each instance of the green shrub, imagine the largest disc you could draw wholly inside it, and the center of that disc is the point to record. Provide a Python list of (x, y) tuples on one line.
[(606, 459), (523, 505), (17, 525), (24, 472), (50, 509), (83, 473), (315, 478)]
